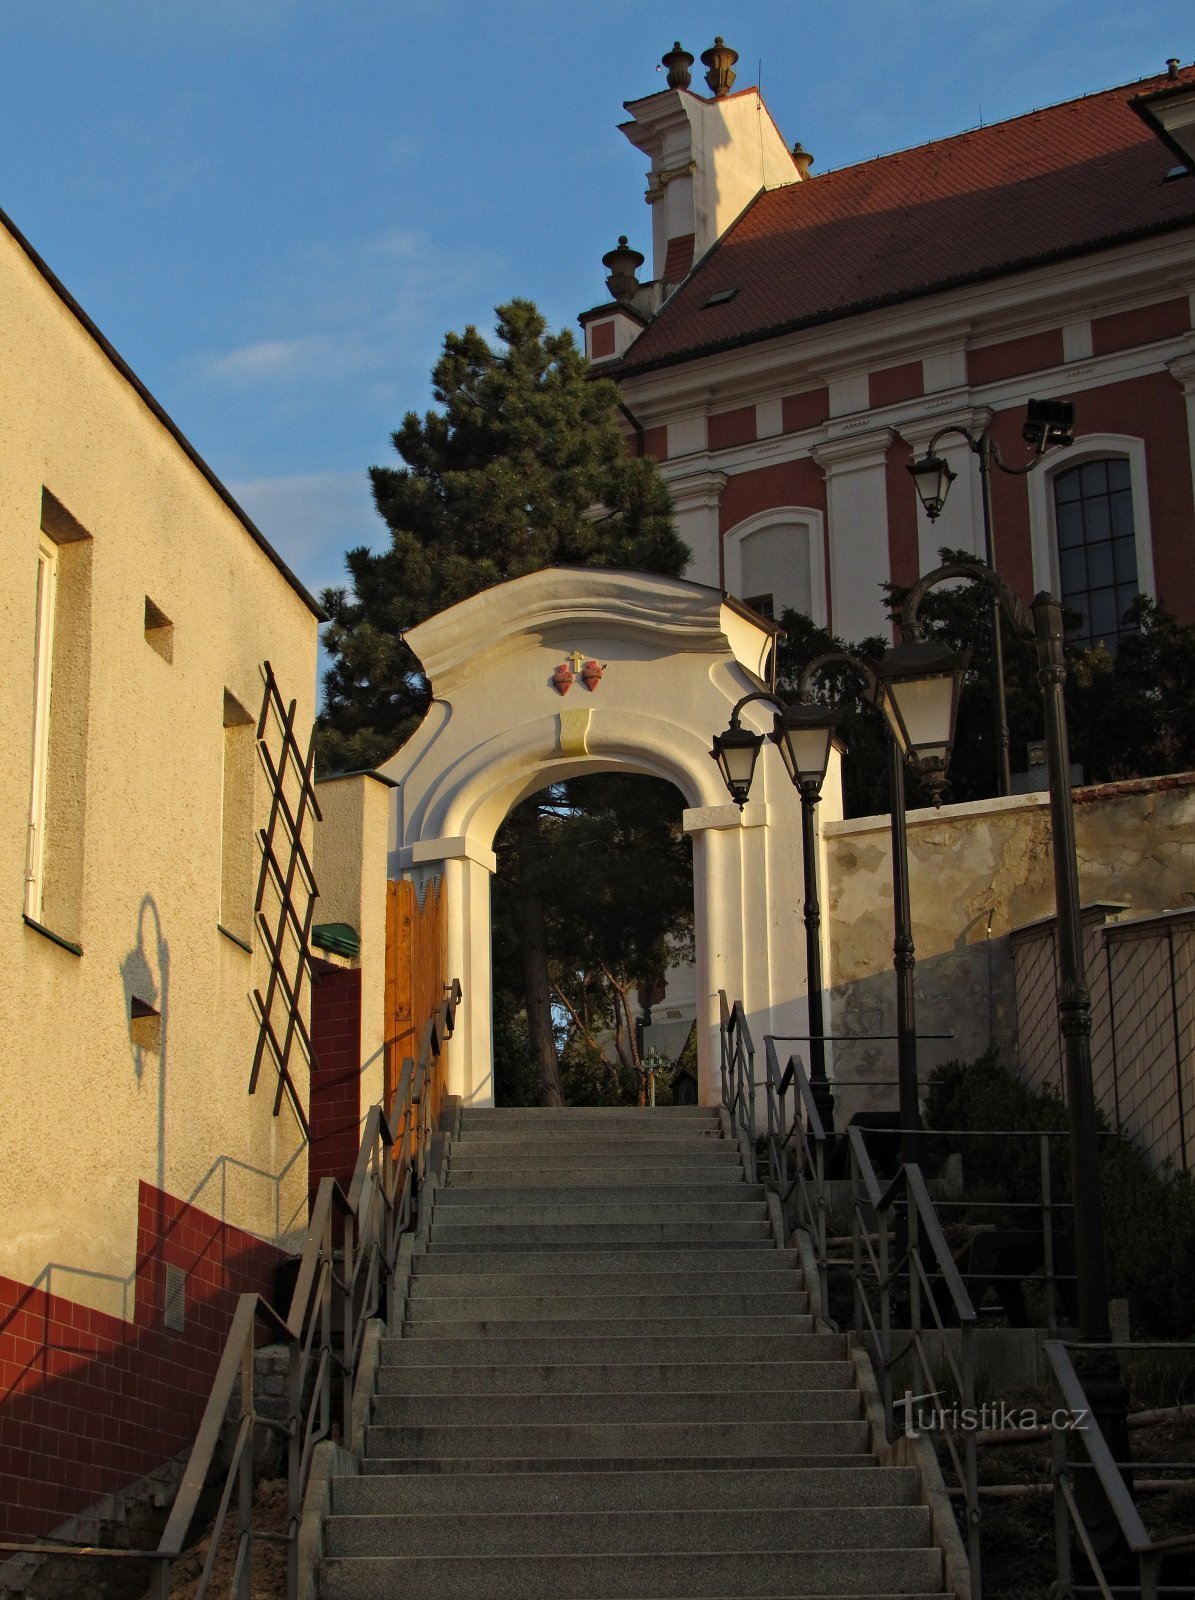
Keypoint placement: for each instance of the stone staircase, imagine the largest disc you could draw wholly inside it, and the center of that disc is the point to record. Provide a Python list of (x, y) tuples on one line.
[(608, 1384)]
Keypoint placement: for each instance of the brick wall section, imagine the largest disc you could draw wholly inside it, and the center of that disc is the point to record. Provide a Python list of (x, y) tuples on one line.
[(655, 443), (601, 339), (335, 1107), (890, 384), (1167, 319), (727, 428), (904, 561), (1032, 353), (807, 409), (89, 1402)]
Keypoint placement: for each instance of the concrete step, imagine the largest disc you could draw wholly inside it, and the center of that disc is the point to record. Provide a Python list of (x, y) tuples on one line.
[(735, 1280), (473, 1117), (647, 1576), (632, 1440), (596, 1211), (610, 1466), (642, 1193), (447, 1234), (474, 1160), (629, 1533), (648, 1490), (634, 1308), (632, 1143), (558, 1328), (648, 1378), (636, 1406), (685, 1349), (455, 1263)]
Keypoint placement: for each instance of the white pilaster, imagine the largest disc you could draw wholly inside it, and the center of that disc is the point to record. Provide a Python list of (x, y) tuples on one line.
[(695, 502), (857, 520)]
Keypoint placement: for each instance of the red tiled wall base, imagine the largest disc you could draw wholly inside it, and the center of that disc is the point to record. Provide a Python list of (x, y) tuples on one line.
[(335, 1108), (89, 1402)]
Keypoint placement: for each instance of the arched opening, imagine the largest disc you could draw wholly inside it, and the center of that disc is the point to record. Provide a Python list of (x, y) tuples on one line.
[(592, 905), (573, 671)]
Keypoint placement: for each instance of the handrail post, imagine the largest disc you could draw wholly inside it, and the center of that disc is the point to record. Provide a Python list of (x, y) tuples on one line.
[(885, 1318), (749, 1052), (1047, 1242), (821, 1203), (245, 1476), (352, 1255), (970, 1463), (294, 1461)]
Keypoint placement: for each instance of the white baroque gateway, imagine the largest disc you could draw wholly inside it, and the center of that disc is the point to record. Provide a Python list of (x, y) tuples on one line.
[(677, 656)]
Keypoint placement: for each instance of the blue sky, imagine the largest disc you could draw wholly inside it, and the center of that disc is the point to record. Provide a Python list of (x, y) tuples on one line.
[(275, 208)]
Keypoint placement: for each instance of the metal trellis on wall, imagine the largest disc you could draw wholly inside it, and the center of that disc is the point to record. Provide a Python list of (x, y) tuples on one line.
[(284, 906)]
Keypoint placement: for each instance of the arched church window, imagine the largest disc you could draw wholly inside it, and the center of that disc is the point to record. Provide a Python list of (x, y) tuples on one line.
[(1097, 546)]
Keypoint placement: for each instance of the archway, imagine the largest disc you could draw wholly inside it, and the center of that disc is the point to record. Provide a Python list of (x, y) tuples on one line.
[(675, 657)]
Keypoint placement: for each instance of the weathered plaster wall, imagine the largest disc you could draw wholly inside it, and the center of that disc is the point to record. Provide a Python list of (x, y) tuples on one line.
[(137, 878), (976, 872)]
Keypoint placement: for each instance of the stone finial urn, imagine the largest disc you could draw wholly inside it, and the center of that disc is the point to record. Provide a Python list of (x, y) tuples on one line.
[(720, 60), (622, 264), (678, 62)]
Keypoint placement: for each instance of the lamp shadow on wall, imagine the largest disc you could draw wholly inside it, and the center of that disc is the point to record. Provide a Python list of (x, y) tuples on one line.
[(145, 974)]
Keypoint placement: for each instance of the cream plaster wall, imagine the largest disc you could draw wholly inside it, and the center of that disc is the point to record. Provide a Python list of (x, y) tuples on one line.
[(88, 1112), (977, 871), (350, 868)]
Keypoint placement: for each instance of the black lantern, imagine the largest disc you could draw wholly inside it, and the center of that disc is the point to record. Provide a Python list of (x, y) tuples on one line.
[(933, 477), (919, 689), (736, 751), (803, 734)]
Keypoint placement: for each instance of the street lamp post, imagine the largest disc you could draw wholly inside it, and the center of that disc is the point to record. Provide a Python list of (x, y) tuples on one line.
[(1096, 1363), (914, 685), (1047, 422)]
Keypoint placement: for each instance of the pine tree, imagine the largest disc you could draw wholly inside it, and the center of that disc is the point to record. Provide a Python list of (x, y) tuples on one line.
[(521, 465)]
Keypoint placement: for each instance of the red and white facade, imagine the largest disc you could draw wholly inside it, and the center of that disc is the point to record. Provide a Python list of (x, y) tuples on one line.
[(830, 324)]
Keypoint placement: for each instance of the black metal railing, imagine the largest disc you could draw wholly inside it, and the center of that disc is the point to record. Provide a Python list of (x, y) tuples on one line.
[(797, 1144), (349, 1260), (1136, 1564), (899, 1258), (737, 1060)]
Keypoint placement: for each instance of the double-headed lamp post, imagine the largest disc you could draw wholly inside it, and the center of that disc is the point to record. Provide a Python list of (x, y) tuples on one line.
[(1096, 1361), (916, 687), (1047, 422)]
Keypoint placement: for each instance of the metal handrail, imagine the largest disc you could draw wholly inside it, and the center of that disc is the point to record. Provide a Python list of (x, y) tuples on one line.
[(1069, 1519), (797, 1156), (737, 1056), (889, 1256), (350, 1256)]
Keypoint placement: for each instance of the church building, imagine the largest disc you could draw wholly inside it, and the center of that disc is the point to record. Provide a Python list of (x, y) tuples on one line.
[(804, 337)]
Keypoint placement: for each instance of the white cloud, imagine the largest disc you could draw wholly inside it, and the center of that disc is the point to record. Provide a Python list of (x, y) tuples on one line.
[(370, 308), (268, 358)]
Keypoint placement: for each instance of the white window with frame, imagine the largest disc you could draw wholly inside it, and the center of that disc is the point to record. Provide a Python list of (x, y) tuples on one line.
[(1089, 519), (43, 659), (775, 562)]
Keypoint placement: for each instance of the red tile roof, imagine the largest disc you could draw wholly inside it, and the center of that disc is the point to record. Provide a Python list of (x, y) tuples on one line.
[(1072, 178)]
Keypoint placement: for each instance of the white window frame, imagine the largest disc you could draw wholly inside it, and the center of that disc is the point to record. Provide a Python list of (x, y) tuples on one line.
[(1043, 531), (43, 663), (803, 520)]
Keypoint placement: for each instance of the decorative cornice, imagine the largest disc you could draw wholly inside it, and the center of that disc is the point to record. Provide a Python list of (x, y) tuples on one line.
[(855, 451)]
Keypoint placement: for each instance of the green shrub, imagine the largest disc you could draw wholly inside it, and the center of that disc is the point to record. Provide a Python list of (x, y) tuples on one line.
[(1149, 1212)]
